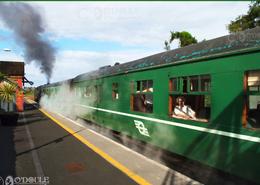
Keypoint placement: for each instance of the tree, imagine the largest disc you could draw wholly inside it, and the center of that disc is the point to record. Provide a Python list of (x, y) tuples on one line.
[(7, 93), (7, 90), (248, 21), (185, 39)]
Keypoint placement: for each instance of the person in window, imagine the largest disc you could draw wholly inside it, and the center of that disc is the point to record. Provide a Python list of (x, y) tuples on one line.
[(145, 103), (183, 111)]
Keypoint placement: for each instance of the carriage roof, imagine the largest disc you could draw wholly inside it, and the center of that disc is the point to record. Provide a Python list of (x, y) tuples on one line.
[(226, 45)]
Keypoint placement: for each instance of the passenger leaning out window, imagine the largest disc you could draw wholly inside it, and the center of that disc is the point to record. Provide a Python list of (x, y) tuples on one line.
[(183, 111)]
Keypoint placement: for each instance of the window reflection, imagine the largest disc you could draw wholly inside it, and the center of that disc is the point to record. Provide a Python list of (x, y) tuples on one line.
[(174, 84), (115, 92), (143, 103), (194, 83), (205, 83), (142, 99), (253, 99), (147, 86)]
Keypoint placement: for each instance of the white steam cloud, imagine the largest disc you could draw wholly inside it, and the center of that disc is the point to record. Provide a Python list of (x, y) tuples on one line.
[(66, 100)]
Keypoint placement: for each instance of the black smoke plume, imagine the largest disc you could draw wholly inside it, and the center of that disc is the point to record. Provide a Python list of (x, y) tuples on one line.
[(27, 25)]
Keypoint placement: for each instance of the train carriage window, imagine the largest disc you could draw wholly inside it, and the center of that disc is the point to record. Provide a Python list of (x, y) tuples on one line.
[(132, 87), (138, 86), (76, 91), (194, 104), (115, 93), (205, 83), (97, 93), (142, 99), (254, 81), (252, 102), (143, 103), (184, 83), (88, 92), (174, 85), (194, 83), (147, 86), (81, 91)]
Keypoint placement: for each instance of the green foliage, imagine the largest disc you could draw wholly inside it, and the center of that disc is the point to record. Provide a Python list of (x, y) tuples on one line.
[(185, 39), (247, 21), (7, 92)]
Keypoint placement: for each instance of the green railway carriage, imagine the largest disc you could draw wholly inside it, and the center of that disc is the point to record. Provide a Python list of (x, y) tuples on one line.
[(220, 81)]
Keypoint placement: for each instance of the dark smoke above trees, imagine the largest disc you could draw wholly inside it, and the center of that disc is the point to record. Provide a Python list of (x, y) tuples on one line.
[(27, 25)]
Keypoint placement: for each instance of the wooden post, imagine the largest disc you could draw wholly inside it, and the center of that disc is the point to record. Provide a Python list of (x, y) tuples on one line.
[(19, 95)]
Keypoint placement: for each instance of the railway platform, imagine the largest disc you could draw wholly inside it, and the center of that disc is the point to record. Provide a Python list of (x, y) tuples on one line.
[(47, 148)]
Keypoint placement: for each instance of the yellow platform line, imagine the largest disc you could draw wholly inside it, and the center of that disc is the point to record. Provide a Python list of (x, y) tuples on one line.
[(104, 155)]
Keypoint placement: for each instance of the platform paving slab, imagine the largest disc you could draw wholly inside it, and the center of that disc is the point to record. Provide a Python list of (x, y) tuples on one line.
[(37, 146), (152, 171)]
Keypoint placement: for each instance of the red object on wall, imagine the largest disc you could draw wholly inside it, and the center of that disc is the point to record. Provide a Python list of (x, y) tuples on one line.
[(19, 95)]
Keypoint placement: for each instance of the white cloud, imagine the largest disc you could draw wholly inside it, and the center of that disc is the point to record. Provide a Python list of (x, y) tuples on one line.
[(140, 23)]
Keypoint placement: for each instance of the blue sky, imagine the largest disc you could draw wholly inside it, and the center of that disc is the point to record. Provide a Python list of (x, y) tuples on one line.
[(91, 45), (88, 35), (7, 40)]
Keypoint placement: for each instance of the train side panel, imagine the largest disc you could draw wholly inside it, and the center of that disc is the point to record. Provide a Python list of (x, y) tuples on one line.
[(211, 143)]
